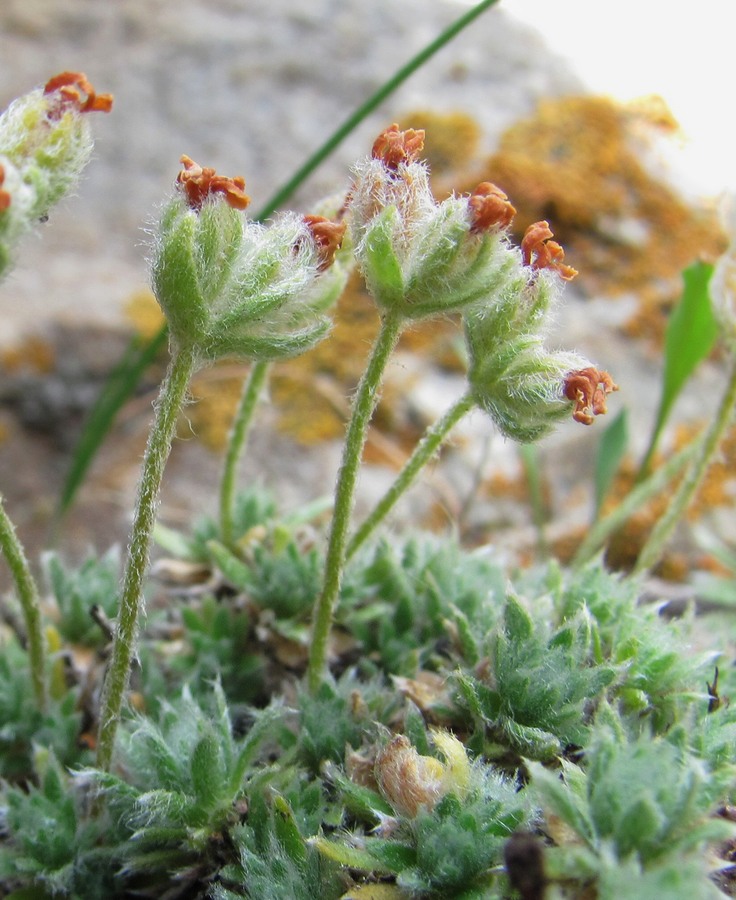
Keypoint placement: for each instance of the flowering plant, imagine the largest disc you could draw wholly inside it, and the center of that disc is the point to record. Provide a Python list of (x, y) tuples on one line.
[(371, 719)]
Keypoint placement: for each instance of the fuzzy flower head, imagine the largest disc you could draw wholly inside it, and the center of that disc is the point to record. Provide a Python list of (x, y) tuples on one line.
[(45, 142), (232, 287), (524, 387), (419, 257), (45, 134)]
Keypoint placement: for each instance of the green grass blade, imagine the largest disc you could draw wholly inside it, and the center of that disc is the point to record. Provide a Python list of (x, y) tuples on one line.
[(691, 333), (375, 100), (129, 371), (120, 386), (611, 449)]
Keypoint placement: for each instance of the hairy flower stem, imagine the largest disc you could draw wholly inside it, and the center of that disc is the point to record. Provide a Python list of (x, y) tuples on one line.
[(173, 391), (364, 404), (652, 550), (252, 392), (430, 443), (25, 586)]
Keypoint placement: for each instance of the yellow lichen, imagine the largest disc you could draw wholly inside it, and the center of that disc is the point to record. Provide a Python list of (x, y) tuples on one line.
[(145, 314), (32, 353), (579, 163), (215, 393), (452, 141)]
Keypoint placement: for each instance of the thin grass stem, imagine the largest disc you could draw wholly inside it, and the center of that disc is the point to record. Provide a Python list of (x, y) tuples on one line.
[(654, 547), (251, 394), (430, 443)]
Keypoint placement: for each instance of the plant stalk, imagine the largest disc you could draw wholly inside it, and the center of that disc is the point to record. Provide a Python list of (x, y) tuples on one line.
[(25, 586), (252, 392), (173, 390), (652, 550), (653, 485), (430, 443), (366, 398)]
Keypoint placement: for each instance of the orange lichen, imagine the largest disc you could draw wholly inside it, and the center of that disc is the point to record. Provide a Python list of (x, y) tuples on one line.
[(199, 183), (33, 353), (587, 388), (216, 393), (579, 162), (73, 90), (144, 313), (394, 147), (490, 208), (328, 237), (539, 252), (451, 147), (718, 488)]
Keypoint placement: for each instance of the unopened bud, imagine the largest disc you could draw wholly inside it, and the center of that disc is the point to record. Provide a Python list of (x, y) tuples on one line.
[(422, 258), (412, 782), (232, 287)]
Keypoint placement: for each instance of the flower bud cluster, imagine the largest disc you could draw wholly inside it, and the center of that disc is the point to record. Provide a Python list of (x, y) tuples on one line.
[(524, 387), (233, 287), (423, 258), (419, 257), (45, 142)]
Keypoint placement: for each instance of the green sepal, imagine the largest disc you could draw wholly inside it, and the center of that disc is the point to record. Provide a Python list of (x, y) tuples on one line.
[(381, 266), (175, 275)]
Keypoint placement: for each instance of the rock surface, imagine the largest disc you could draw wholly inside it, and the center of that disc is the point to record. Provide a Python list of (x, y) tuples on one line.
[(251, 89)]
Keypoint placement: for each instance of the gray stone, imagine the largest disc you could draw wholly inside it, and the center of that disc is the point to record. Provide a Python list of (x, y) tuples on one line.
[(249, 88)]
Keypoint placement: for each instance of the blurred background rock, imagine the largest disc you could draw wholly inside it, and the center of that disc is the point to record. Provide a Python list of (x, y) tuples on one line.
[(253, 89)]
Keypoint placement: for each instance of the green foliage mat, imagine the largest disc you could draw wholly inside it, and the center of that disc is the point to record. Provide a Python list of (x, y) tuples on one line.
[(481, 738)]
